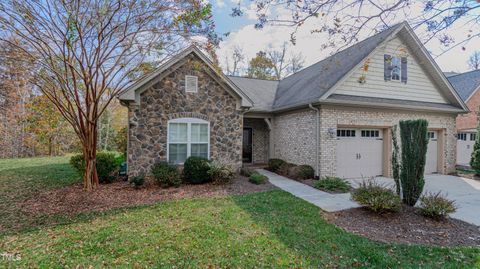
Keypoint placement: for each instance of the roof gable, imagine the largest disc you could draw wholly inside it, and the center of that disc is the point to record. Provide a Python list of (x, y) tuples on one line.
[(132, 93), (311, 83), (466, 84)]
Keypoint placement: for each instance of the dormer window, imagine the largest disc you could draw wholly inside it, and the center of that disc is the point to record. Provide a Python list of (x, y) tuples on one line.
[(191, 84)]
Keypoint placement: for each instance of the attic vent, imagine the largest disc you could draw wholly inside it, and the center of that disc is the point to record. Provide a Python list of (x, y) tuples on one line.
[(191, 83)]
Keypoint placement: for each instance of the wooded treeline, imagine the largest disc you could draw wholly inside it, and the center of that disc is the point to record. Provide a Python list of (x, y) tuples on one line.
[(31, 126)]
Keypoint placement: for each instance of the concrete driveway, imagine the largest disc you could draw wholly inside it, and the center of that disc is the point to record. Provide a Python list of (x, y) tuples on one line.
[(465, 192)]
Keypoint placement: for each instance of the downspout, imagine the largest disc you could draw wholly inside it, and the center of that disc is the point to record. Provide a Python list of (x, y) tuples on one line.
[(317, 116)]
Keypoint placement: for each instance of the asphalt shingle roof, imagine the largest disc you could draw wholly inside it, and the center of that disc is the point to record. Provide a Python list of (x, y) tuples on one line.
[(262, 92), (465, 83), (309, 84)]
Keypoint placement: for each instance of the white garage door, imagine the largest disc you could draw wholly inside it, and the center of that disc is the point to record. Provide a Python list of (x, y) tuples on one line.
[(359, 153), (465, 144), (431, 162)]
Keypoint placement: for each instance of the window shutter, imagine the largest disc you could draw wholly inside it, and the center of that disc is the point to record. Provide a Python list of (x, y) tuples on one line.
[(191, 84), (387, 67), (404, 70)]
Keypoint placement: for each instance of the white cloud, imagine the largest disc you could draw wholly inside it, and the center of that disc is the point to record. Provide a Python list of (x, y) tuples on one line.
[(309, 44), (220, 3)]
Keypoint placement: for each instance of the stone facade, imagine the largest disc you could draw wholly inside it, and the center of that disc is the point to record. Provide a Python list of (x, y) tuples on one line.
[(294, 136), (295, 133), (260, 138), (469, 120), (166, 100)]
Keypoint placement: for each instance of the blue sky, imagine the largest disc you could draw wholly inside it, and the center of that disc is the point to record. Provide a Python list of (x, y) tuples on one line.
[(243, 34)]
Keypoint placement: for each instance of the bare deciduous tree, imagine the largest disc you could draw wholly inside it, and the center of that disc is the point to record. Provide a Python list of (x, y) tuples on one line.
[(237, 58), (85, 50), (474, 61), (283, 63), (345, 20)]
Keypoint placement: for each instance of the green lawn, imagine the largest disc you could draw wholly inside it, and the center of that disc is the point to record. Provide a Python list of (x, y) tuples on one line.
[(272, 229), (21, 179)]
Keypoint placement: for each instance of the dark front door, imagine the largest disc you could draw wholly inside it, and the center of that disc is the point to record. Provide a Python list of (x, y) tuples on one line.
[(247, 145)]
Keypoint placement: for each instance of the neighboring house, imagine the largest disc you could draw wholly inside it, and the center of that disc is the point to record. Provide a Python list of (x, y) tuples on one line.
[(335, 115), (467, 86)]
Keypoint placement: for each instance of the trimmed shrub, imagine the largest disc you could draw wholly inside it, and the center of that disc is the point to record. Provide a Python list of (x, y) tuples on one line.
[(414, 142), (166, 175), (137, 181), (107, 164), (286, 168), (475, 158), (220, 173), (436, 206), (334, 184), (275, 164), (301, 172), (257, 178), (246, 172), (376, 197), (195, 170)]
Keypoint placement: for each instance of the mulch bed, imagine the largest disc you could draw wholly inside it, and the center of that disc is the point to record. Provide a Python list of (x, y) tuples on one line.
[(407, 227), (73, 200)]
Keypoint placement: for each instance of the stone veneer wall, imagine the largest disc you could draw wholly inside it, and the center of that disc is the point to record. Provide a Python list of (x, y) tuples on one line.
[(331, 116), (294, 136), (167, 100), (260, 138)]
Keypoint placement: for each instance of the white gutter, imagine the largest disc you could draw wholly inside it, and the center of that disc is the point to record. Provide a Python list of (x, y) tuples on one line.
[(317, 116)]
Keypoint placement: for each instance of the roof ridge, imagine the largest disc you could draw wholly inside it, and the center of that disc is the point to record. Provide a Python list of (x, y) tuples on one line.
[(464, 73), (274, 80)]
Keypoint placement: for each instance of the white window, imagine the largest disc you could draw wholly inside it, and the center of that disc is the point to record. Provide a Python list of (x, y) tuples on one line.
[(473, 137), (431, 135), (345, 133), (462, 136), (191, 83), (370, 133), (396, 68), (188, 137)]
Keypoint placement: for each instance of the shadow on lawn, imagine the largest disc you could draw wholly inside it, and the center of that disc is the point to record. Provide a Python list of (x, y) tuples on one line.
[(300, 226), (22, 183)]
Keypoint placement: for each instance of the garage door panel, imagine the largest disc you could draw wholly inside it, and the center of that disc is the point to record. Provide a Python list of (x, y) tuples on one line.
[(465, 145), (431, 163), (360, 155)]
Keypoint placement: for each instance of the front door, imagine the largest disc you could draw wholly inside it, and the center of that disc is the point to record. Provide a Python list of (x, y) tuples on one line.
[(247, 145)]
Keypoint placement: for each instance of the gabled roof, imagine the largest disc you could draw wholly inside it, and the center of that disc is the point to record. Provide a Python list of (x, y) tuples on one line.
[(466, 84), (132, 92), (262, 92), (311, 83)]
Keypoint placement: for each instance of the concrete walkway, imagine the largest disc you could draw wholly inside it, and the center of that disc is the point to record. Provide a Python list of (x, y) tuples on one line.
[(326, 201)]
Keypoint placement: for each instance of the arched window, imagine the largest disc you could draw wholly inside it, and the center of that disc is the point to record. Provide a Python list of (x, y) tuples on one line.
[(187, 137)]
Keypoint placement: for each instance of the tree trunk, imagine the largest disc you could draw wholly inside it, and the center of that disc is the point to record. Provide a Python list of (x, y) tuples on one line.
[(90, 178)]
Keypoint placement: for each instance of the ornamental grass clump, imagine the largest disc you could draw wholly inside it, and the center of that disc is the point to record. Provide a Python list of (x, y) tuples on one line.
[(333, 184)]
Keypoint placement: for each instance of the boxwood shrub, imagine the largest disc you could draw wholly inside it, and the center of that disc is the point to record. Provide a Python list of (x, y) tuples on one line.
[(166, 175), (257, 178), (275, 164), (195, 170), (107, 164)]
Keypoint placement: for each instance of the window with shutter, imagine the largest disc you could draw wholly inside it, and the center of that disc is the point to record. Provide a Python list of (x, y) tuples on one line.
[(191, 83)]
